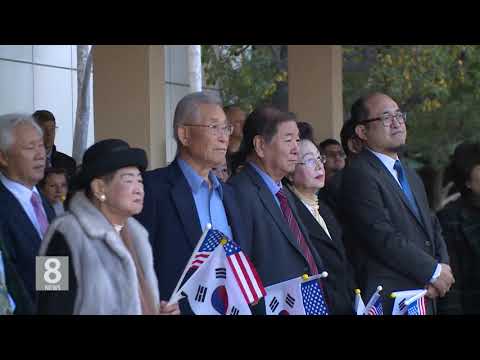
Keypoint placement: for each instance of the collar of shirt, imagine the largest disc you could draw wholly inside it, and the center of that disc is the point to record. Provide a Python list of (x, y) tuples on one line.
[(196, 181), (20, 191), (267, 179), (387, 161)]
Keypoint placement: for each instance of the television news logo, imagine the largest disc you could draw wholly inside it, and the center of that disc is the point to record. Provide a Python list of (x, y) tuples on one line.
[(51, 273)]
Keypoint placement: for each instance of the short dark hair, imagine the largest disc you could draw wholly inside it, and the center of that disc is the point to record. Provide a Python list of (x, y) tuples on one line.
[(43, 116), (323, 145), (52, 170), (305, 131), (263, 121), (359, 110), (347, 133), (464, 159)]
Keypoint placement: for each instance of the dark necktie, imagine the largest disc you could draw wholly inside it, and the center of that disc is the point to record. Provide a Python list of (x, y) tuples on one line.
[(292, 223), (406, 187)]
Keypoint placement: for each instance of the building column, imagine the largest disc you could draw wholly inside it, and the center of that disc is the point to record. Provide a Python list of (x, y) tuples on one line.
[(129, 97), (315, 87)]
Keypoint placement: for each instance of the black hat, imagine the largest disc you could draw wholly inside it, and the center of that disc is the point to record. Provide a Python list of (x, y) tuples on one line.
[(107, 156)]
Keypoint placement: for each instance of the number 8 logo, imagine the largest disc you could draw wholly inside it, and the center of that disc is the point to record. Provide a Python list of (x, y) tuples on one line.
[(52, 266)]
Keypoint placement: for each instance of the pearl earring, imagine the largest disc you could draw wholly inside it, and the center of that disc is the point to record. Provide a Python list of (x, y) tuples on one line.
[(103, 198)]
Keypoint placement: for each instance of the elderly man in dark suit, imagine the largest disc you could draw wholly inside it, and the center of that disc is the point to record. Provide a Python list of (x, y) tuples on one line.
[(280, 249), (25, 213), (182, 198), (395, 240)]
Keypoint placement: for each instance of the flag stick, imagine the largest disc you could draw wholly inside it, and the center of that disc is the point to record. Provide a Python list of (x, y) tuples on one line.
[(416, 297), (373, 299), (305, 277), (175, 296)]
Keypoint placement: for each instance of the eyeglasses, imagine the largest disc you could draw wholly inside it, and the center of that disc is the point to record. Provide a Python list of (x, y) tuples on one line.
[(216, 129), (312, 162), (387, 119)]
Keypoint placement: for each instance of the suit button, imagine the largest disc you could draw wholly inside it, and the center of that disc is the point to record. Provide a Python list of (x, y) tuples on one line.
[(428, 243)]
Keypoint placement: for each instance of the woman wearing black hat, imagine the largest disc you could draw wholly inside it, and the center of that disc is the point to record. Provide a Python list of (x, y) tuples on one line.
[(110, 258)]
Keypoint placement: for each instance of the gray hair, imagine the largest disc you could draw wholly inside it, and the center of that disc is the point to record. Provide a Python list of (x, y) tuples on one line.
[(8, 123), (188, 108)]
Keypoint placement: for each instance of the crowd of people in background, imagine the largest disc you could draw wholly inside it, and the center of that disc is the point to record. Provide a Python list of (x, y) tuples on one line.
[(294, 205)]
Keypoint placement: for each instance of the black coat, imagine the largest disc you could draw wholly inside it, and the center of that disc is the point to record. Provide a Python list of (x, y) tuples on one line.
[(390, 246), (331, 192), (170, 217), (273, 249), (340, 283), (63, 161), (461, 230), (21, 244)]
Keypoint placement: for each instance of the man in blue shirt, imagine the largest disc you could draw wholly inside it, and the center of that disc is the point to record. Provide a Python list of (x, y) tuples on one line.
[(182, 198)]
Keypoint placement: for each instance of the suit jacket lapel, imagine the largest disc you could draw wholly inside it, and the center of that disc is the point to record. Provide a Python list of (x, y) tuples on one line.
[(233, 213), (22, 221), (185, 204), (271, 206), (314, 228), (422, 206), (394, 185)]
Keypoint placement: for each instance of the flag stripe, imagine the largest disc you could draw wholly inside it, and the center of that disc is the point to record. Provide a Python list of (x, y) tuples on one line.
[(423, 310), (239, 282), (239, 274), (257, 293), (258, 282)]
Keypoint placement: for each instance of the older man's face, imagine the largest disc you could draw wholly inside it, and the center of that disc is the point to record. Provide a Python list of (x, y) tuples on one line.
[(207, 146), (381, 138), (24, 162)]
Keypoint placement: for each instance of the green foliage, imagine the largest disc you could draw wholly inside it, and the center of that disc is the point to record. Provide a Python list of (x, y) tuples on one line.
[(246, 75), (439, 87)]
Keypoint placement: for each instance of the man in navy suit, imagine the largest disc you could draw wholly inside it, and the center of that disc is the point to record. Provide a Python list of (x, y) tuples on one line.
[(394, 239), (182, 198), (280, 246), (24, 214)]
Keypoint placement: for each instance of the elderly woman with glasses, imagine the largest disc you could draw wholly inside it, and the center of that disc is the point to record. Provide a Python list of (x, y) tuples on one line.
[(324, 231)]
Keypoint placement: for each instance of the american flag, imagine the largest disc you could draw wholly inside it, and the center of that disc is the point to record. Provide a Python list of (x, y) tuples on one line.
[(245, 274), (211, 241), (376, 308), (417, 307), (313, 300)]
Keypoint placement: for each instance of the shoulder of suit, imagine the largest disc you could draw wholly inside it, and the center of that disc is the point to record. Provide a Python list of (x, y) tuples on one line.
[(6, 197), (158, 175), (239, 178), (59, 154)]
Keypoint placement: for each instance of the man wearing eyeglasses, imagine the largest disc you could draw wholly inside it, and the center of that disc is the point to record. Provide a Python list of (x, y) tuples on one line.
[(182, 198), (394, 239), (335, 157)]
